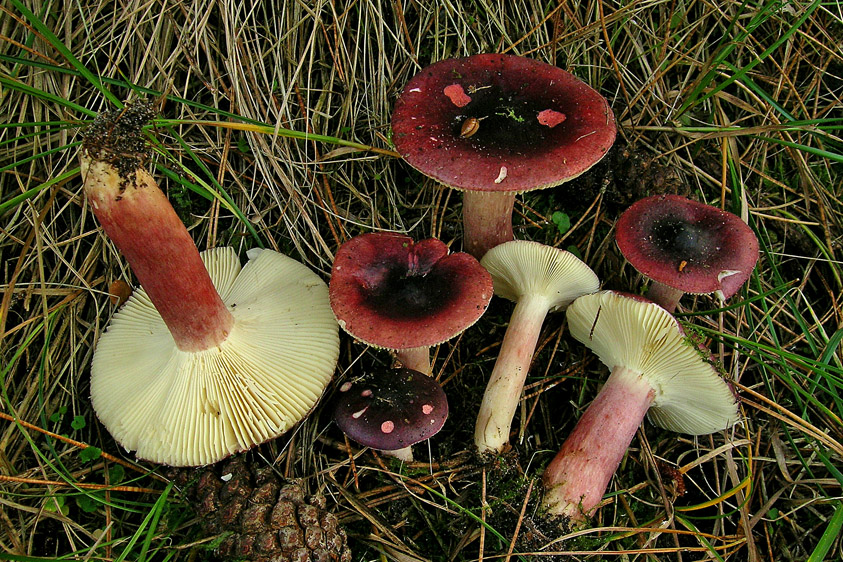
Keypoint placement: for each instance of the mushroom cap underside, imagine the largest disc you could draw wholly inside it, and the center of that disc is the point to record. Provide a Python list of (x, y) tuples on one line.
[(195, 408), (689, 395), (522, 267), (501, 123)]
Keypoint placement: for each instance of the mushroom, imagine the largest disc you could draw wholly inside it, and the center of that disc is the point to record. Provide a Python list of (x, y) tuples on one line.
[(539, 279), (494, 125), (685, 246), (390, 292), (206, 359), (391, 409), (655, 370)]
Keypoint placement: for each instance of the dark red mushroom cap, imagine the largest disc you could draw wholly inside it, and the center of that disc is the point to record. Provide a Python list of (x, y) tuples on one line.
[(500, 123), (391, 292), (687, 245), (390, 409)]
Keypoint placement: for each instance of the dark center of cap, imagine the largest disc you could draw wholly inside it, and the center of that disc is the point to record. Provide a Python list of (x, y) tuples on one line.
[(403, 294), (683, 241), (505, 123)]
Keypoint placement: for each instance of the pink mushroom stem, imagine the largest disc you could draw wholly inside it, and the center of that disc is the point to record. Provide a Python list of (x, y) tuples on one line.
[(487, 220), (139, 219), (576, 479), (664, 296), (503, 392), (415, 358)]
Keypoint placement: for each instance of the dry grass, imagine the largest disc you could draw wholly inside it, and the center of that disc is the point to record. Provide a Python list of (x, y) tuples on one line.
[(736, 104)]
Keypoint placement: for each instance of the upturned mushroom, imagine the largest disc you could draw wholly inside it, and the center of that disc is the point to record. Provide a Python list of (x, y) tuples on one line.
[(495, 125), (655, 370), (391, 409), (206, 359), (539, 279), (391, 292), (685, 246)]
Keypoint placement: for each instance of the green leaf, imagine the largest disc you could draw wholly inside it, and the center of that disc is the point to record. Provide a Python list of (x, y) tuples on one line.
[(562, 221), (88, 503), (56, 416), (116, 474), (57, 504), (78, 422), (90, 453)]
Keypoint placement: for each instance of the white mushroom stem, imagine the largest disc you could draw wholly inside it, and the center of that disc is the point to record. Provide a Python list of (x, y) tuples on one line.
[(405, 454), (487, 220), (578, 476), (139, 219), (503, 393), (415, 358), (664, 296)]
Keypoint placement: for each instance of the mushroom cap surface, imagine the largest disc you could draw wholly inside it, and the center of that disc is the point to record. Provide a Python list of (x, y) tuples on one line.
[(195, 408), (522, 267), (500, 123), (690, 396), (389, 409), (388, 291), (687, 245)]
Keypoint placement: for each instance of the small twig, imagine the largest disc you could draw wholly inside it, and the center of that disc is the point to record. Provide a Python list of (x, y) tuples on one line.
[(82, 485), (82, 446)]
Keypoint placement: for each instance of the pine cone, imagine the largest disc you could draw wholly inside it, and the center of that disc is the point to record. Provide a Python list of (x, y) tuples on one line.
[(269, 520)]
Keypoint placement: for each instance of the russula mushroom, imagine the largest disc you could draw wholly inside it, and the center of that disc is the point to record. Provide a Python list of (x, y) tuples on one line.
[(391, 292), (539, 279), (655, 370), (494, 125), (206, 359), (685, 246), (391, 409)]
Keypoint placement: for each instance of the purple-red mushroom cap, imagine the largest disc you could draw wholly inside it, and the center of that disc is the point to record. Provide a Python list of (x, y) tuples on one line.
[(391, 292), (500, 123), (389, 409), (687, 245)]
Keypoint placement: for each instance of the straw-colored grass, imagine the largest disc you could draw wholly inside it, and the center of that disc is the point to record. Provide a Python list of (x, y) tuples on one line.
[(736, 104)]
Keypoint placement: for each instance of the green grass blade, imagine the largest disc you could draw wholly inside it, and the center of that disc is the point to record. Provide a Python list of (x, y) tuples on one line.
[(149, 522), (10, 82), (48, 34), (30, 193), (829, 536)]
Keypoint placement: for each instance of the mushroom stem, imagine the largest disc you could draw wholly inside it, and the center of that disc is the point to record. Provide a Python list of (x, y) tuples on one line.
[(415, 358), (503, 393), (138, 218), (487, 220), (404, 455), (577, 477), (664, 296)]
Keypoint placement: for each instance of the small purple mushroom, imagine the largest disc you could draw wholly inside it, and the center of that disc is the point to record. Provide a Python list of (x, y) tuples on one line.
[(391, 409)]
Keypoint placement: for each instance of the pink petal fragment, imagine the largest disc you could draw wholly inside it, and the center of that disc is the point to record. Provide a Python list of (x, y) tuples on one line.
[(457, 95), (550, 117)]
